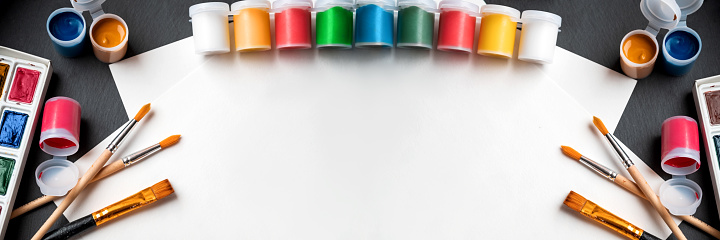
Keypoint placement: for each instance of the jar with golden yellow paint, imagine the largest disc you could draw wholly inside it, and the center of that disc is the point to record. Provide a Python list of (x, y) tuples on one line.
[(498, 25), (252, 25)]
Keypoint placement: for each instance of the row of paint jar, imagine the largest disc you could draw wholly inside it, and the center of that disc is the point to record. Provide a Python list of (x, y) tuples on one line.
[(639, 49), (374, 26), (108, 32)]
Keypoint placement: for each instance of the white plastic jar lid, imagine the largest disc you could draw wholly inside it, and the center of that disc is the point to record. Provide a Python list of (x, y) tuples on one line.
[(56, 177), (540, 15), (209, 7), (489, 9), (680, 196), (688, 7), (382, 3), (424, 4), (86, 5), (292, 3), (661, 13), (467, 7), (250, 4), (325, 4)]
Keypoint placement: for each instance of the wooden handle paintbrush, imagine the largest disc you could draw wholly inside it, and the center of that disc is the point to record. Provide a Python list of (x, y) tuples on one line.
[(639, 179), (630, 186), (104, 172), (90, 174)]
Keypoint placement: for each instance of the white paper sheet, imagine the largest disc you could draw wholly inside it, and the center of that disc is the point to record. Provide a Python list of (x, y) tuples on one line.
[(432, 146)]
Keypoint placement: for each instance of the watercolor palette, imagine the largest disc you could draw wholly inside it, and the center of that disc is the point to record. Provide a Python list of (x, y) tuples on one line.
[(707, 101), (23, 82)]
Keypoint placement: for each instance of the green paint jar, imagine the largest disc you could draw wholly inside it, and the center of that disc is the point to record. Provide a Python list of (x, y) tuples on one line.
[(334, 24), (416, 24)]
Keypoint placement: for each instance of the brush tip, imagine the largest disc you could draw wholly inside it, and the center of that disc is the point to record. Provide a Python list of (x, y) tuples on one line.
[(575, 201), (162, 189), (570, 152), (171, 140), (141, 114), (600, 125)]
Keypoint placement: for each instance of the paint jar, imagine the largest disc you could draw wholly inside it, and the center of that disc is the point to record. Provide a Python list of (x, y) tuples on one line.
[(682, 45), (252, 25), (456, 30), (109, 36), (680, 148), (60, 131), (66, 28), (538, 36), (639, 48), (334, 24), (211, 32), (374, 23), (292, 24), (416, 23), (497, 31)]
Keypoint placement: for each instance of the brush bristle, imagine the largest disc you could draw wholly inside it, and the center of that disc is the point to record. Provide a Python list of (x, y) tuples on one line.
[(570, 152), (600, 125), (141, 114), (575, 201), (162, 189), (171, 140)]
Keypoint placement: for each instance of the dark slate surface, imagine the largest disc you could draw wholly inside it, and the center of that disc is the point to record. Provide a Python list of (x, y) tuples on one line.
[(592, 29)]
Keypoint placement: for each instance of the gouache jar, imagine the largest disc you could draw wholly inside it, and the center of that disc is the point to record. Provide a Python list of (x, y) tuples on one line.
[(374, 20), (638, 53), (109, 36), (681, 45), (538, 36), (292, 24), (67, 28), (416, 23), (334, 24), (60, 131), (680, 156), (211, 33), (252, 25), (456, 30), (497, 31)]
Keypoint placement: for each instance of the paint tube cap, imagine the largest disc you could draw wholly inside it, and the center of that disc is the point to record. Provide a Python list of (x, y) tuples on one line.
[(283, 4), (423, 4), (263, 4), (661, 13), (56, 176), (490, 9), (92, 6), (530, 15), (688, 7), (386, 4), (680, 146), (680, 195), (209, 7), (322, 5), (467, 7)]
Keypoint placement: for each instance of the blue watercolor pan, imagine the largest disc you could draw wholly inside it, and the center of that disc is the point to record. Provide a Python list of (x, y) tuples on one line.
[(12, 128)]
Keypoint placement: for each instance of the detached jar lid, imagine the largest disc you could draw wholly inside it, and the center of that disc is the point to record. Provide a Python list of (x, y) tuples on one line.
[(56, 176), (209, 7), (661, 13), (500, 9), (680, 195)]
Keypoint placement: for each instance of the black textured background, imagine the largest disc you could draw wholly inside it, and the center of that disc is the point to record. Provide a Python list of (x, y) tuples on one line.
[(592, 29)]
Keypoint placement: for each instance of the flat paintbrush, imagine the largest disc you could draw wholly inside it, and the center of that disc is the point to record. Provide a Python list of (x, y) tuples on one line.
[(90, 174), (639, 179), (630, 186), (104, 172), (138, 200)]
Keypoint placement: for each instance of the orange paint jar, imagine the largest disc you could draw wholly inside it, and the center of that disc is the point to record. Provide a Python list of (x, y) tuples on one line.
[(639, 48), (109, 36), (252, 25)]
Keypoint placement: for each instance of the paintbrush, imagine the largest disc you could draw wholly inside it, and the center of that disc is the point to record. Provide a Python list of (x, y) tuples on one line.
[(104, 172), (90, 174), (604, 217), (639, 179), (630, 186), (138, 200)]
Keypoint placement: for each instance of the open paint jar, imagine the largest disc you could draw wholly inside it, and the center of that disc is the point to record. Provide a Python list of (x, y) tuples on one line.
[(252, 25), (59, 136), (457, 25), (682, 45), (416, 23), (374, 20), (292, 24), (538, 36), (497, 31), (680, 156), (66, 27), (334, 24), (210, 27)]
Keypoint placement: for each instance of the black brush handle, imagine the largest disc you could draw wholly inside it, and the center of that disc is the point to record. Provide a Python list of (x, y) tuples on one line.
[(648, 236), (71, 229)]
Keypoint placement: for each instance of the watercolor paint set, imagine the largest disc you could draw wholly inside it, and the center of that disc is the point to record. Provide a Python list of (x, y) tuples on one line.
[(681, 46), (706, 93), (373, 26), (24, 80)]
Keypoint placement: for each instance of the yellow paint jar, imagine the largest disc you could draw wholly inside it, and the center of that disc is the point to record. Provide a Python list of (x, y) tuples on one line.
[(252, 25), (497, 31)]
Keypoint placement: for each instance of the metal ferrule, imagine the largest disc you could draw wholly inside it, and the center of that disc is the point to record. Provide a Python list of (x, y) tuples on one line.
[(123, 133), (625, 159), (140, 155), (598, 168)]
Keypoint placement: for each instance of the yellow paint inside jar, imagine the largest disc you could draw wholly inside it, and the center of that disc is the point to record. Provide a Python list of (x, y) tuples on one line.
[(252, 30), (108, 32), (497, 36), (639, 48)]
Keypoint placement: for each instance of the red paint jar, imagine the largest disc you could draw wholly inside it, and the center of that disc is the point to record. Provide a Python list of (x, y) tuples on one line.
[(680, 145), (60, 131), (456, 31), (292, 24)]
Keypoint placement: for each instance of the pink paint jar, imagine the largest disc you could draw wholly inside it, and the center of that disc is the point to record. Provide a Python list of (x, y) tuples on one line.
[(456, 31), (680, 156), (292, 24), (60, 131)]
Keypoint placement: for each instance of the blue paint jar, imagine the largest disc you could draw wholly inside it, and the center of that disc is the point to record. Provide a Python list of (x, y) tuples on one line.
[(67, 30), (681, 45), (374, 20)]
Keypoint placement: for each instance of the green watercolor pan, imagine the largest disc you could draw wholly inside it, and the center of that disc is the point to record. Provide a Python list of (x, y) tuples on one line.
[(706, 94)]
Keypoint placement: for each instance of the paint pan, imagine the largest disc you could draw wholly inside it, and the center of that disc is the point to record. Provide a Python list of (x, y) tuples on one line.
[(706, 93), (374, 20), (66, 28), (334, 24), (538, 36), (498, 25), (26, 79), (211, 32), (292, 24), (682, 45), (456, 29), (252, 25), (416, 23), (680, 156)]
